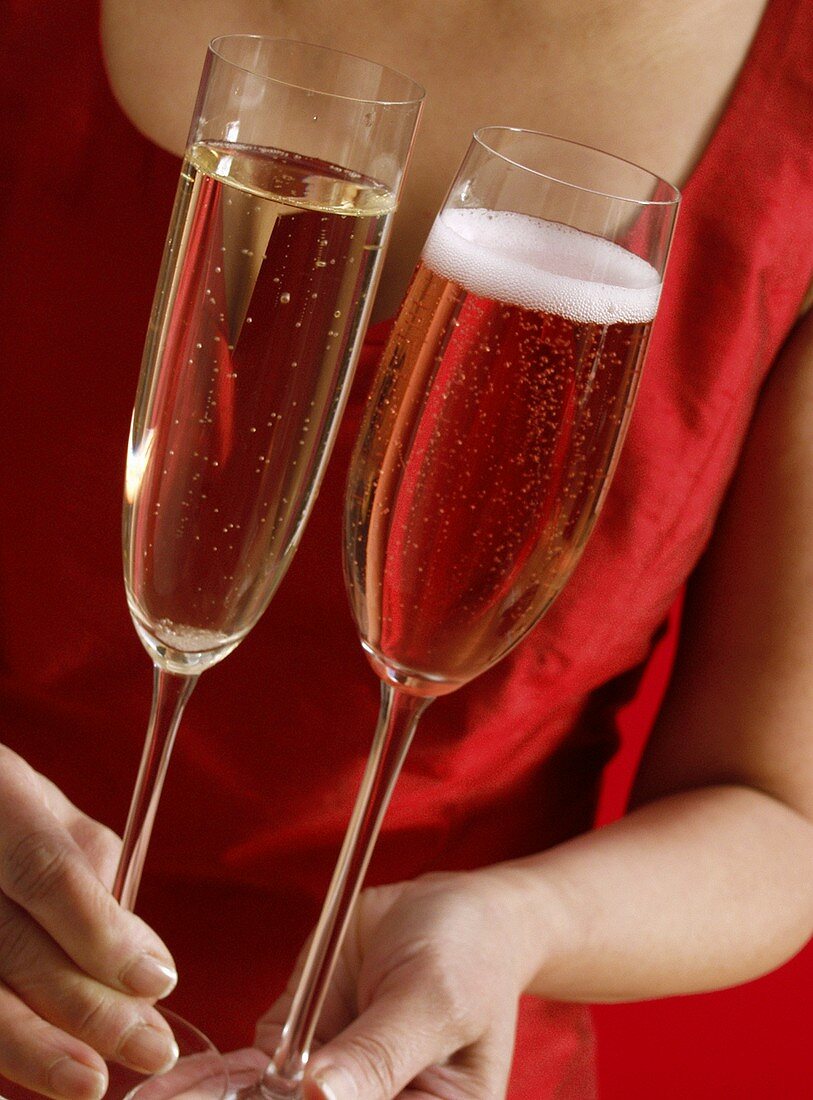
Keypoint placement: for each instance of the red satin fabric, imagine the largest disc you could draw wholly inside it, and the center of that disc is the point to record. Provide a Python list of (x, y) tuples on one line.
[(270, 753)]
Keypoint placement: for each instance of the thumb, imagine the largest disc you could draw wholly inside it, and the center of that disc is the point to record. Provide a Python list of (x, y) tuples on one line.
[(391, 1044), (377, 1056)]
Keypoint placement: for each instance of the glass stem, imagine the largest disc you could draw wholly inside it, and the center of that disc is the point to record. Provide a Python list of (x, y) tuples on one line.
[(397, 720), (170, 693)]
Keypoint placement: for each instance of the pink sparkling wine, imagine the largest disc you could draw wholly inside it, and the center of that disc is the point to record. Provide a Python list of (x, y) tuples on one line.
[(489, 439)]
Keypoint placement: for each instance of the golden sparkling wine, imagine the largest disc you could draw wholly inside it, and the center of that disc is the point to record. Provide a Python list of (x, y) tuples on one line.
[(258, 316)]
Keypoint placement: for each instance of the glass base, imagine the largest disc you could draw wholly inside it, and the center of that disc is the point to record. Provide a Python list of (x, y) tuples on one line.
[(270, 1087), (199, 1074)]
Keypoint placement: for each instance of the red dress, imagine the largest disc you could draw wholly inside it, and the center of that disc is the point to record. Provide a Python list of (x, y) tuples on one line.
[(274, 740)]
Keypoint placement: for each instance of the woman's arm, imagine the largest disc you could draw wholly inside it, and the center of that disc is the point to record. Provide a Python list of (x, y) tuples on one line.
[(707, 882)]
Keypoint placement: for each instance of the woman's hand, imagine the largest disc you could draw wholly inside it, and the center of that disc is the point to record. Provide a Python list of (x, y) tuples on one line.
[(77, 973), (424, 1000)]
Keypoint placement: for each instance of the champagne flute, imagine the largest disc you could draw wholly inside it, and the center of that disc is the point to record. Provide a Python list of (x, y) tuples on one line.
[(293, 169), (487, 447)]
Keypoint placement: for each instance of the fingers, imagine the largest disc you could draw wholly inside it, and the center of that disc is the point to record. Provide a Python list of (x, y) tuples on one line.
[(412, 1038), (77, 973), (45, 872), (390, 1050), (40, 1057), (48, 1003), (100, 844)]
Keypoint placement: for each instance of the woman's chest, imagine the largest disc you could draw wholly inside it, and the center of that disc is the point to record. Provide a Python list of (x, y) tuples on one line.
[(645, 81)]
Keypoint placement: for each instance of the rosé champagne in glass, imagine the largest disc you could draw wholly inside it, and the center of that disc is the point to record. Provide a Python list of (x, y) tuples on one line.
[(487, 446), (490, 438)]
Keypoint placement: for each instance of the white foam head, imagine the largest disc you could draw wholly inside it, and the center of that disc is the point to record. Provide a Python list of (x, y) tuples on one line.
[(539, 265)]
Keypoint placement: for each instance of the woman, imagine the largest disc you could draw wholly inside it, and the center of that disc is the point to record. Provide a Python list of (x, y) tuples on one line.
[(703, 883)]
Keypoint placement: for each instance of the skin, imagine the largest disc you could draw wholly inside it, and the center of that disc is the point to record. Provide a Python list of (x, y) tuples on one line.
[(586, 62), (726, 783)]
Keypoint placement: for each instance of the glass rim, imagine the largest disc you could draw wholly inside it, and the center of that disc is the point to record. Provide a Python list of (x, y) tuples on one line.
[(480, 136), (419, 92)]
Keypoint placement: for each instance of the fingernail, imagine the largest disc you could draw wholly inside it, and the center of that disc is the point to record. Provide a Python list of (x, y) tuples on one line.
[(148, 1049), (76, 1080), (335, 1083), (146, 976)]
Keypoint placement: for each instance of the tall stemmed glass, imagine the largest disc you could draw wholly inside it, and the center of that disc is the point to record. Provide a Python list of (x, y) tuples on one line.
[(292, 172), (489, 440)]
